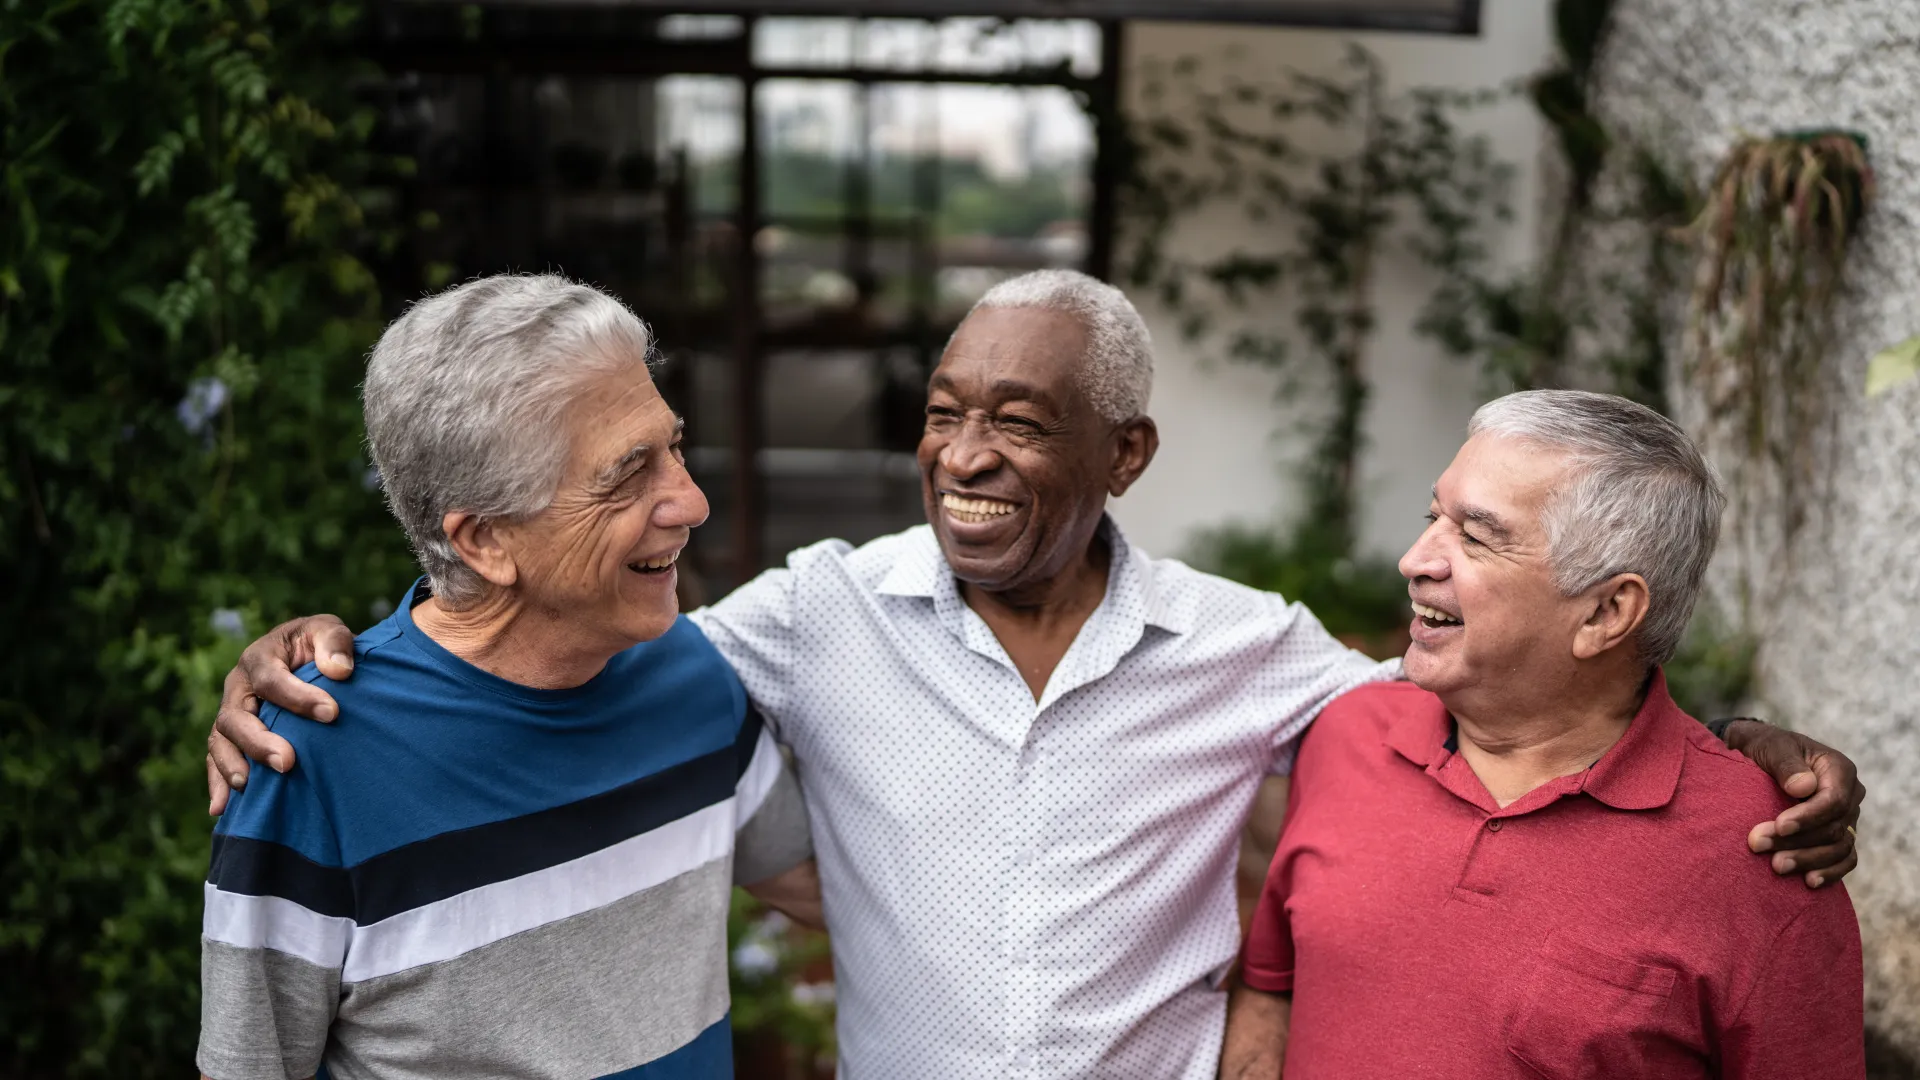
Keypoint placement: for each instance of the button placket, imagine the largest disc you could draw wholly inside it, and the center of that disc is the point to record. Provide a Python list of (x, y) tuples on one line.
[(1477, 881), (1020, 907)]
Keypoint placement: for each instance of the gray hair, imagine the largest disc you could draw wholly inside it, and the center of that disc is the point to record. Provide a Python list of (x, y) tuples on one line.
[(1116, 373), (463, 400), (1641, 500)]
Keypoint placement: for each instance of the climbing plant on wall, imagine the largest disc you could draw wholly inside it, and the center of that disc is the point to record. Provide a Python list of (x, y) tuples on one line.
[(1328, 174), (184, 304)]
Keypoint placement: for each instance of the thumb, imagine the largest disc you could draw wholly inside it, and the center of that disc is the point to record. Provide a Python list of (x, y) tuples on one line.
[(332, 645), (1802, 783), (1784, 757)]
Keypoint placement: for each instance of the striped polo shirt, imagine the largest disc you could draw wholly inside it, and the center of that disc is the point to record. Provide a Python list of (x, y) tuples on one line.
[(467, 877)]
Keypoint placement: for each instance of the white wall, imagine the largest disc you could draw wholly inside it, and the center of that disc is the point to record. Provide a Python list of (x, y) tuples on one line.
[(1219, 458)]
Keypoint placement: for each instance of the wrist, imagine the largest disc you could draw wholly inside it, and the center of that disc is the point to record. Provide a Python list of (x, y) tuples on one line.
[(1732, 730)]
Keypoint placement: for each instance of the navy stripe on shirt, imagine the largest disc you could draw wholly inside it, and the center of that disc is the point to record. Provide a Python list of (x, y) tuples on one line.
[(451, 863)]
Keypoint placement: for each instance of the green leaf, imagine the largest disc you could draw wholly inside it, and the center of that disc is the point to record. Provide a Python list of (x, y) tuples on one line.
[(1893, 366)]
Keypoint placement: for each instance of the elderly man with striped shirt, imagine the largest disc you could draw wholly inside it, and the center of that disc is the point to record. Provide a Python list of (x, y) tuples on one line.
[(1029, 748), (513, 856)]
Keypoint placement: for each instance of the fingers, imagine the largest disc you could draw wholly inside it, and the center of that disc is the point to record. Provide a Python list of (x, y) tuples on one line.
[(217, 790), (1845, 866), (1835, 799), (1815, 860), (254, 740), (229, 765), (266, 667)]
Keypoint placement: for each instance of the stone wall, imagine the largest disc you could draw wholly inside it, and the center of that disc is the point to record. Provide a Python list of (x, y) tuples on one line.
[(1836, 602)]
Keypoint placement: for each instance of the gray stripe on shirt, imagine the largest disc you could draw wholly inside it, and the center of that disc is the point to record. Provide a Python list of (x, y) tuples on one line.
[(262, 1013), (596, 993)]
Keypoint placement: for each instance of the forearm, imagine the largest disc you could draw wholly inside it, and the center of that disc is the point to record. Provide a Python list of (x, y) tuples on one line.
[(1256, 1040), (795, 894), (1257, 843)]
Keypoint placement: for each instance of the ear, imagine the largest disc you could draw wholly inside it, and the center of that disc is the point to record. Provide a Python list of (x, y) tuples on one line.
[(480, 545), (1619, 607), (1135, 443)]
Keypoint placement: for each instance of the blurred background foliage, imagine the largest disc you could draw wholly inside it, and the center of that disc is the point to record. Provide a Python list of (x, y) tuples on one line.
[(184, 304), (188, 268)]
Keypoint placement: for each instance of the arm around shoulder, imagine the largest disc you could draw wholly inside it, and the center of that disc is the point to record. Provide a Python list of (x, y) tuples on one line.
[(753, 629)]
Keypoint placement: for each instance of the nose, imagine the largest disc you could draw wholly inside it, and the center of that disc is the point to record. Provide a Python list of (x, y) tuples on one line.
[(971, 451), (1426, 559), (683, 505)]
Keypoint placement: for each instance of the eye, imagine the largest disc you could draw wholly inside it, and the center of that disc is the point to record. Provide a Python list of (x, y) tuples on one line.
[(1022, 424), (941, 414), (1431, 517)]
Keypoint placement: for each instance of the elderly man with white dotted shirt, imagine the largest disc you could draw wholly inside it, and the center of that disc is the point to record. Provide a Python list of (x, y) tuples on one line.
[(1028, 748)]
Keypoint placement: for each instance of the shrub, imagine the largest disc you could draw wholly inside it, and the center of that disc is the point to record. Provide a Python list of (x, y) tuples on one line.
[(183, 312)]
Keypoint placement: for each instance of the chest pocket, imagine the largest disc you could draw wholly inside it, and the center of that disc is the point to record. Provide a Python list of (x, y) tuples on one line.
[(1582, 1014)]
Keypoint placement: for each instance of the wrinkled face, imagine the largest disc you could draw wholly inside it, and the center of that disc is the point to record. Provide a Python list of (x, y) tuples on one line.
[(1486, 611), (1015, 464), (602, 555)]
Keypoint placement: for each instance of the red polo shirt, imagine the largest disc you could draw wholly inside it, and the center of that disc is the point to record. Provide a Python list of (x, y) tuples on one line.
[(1608, 924)]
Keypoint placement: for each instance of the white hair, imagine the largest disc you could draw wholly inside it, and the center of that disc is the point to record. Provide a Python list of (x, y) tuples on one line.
[(1640, 500), (464, 398), (1116, 373)]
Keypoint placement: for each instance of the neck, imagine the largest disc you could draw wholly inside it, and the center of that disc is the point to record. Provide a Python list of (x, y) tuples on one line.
[(1561, 729), (505, 637), (1066, 597)]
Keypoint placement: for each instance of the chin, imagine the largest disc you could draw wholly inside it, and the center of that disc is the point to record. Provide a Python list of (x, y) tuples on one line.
[(1424, 670), (645, 624), (653, 627)]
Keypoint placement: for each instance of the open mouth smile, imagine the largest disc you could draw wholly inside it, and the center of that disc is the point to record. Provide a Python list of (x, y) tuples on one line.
[(1433, 618), (975, 511), (659, 564)]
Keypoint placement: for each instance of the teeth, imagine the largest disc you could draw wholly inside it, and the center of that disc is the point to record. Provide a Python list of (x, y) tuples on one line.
[(660, 563), (1433, 613), (974, 511)]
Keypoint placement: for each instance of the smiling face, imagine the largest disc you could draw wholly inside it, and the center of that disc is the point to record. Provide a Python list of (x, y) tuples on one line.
[(600, 559), (1016, 465), (1486, 609)]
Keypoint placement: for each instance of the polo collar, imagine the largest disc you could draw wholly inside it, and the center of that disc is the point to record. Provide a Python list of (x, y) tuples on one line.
[(1640, 772)]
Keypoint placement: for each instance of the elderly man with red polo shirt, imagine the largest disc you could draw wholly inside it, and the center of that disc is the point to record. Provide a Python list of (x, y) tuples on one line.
[(1525, 862)]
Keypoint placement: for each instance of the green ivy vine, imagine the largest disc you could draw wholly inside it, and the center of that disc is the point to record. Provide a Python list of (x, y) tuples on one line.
[(185, 299)]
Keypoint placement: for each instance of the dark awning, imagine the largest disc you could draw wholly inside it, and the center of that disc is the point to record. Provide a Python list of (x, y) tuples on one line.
[(1429, 16)]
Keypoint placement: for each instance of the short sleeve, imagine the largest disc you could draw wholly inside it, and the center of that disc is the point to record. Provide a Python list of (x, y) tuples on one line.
[(753, 627), (772, 834), (1267, 960), (1307, 668), (275, 933), (1803, 1015)]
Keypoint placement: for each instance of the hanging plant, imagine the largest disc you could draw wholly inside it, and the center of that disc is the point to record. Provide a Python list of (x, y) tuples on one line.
[(1773, 236)]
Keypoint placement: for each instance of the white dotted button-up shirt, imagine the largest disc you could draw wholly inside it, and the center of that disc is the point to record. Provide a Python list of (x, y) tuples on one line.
[(1017, 888)]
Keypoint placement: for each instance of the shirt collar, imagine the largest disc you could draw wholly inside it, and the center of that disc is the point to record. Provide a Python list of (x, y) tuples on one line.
[(921, 570), (1640, 772)]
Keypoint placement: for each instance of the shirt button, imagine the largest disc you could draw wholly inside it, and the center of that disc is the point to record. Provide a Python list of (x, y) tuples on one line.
[(1494, 825)]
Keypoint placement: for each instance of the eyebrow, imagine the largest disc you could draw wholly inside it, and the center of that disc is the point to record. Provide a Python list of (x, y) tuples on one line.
[(1002, 389), (1481, 516), (614, 473)]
